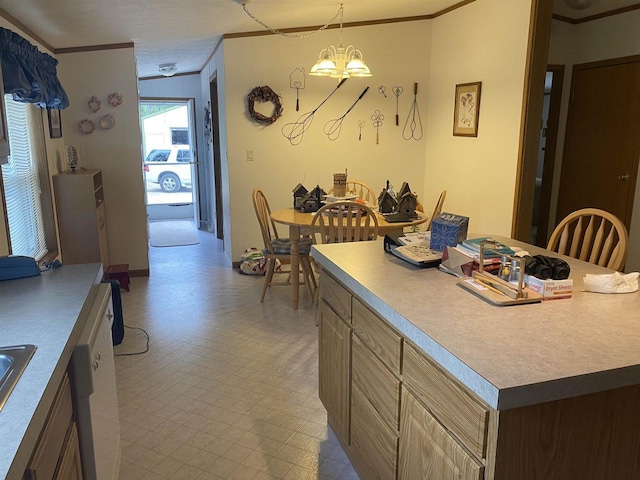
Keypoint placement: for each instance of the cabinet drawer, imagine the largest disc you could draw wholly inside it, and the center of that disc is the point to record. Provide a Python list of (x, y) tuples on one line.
[(45, 458), (427, 450), (338, 297), (377, 335), (376, 383), (457, 408), (375, 446)]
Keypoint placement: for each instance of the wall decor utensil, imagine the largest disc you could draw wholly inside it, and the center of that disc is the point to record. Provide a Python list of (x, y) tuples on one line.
[(333, 127), (361, 124), (377, 119), (297, 80), (413, 126), (382, 90), (397, 91), (294, 131)]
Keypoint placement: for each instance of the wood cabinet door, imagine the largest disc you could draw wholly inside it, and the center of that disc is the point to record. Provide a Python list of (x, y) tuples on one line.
[(428, 451), (334, 353), (70, 467)]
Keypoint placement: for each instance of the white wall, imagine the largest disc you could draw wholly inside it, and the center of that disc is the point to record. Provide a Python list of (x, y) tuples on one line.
[(484, 41), (117, 152), (398, 54), (606, 38)]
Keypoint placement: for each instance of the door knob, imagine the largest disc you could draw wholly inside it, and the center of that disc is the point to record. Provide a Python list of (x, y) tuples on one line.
[(623, 178)]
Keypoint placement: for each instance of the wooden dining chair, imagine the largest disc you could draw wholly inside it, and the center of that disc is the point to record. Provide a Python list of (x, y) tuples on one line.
[(438, 208), (592, 235), (346, 221), (276, 248), (362, 190)]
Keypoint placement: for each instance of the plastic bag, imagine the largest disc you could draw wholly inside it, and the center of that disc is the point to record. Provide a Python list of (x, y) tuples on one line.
[(253, 262)]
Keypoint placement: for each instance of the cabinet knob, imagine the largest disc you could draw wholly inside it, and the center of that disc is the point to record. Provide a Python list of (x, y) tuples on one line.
[(623, 177)]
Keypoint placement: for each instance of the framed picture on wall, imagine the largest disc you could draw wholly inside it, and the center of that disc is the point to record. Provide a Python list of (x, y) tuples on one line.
[(467, 109), (55, 125)]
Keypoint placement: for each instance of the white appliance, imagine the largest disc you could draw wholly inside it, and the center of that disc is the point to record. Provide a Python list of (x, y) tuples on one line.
[(95, 391)]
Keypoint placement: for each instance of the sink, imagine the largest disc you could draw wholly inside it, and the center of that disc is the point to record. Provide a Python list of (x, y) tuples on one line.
[(13, 361)]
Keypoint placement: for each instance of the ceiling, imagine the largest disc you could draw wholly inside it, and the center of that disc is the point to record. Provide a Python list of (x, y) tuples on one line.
[(185, 32)]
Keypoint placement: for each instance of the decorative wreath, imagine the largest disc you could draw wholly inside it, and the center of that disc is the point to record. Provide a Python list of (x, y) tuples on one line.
[(264, 94)]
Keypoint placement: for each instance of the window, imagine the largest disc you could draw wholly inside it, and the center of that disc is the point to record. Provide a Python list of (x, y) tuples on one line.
[(21, 179)]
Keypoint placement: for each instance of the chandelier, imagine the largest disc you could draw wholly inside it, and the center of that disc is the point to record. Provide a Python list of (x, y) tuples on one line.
[(333, 62), (340, 62)]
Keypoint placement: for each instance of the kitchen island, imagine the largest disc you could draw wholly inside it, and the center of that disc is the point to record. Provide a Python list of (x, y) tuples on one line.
[(420, 377), (44, 311)]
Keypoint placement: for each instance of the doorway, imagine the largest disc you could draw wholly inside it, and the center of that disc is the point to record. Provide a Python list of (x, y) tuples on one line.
[(168, 146), (546, 154), (602, 141)]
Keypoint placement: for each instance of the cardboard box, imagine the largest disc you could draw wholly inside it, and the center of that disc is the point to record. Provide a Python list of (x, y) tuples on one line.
[(550, 289), (447, 230)]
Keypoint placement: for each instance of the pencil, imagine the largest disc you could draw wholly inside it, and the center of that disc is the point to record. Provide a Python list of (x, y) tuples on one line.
[(487, 286)]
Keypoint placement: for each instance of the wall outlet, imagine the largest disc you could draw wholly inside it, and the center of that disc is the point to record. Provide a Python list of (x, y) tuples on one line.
[(249, 155)]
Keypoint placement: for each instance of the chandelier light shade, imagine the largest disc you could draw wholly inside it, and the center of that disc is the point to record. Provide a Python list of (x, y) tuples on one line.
[(167, 69), (340, 62), (578, 4)]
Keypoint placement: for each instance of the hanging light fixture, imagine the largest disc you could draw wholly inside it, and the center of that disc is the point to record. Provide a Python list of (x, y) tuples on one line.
[(340, 62), (167, 69), (333, 62)]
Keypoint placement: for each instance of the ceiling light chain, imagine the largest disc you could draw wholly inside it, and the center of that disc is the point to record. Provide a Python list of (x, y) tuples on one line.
[(294, 35)]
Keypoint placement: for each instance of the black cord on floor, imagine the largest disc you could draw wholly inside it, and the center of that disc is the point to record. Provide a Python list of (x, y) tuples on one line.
[(135, 353)]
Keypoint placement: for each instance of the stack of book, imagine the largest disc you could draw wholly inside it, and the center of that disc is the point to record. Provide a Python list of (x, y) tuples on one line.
[(493, 250)]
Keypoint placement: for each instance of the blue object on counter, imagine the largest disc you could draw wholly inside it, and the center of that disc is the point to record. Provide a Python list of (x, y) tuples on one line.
[(17, 266)]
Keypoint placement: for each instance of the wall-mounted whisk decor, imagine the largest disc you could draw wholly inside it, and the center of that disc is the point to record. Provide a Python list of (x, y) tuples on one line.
[(377, 119), (382, 90), (397, 91), (297, 80), (333, 127), (413, 126), (361, 124), (294, 131)]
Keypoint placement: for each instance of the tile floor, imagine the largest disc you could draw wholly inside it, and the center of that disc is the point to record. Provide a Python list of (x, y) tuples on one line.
[(228, 389)]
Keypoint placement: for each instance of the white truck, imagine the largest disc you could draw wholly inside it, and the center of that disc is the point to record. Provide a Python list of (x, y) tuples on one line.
[(170, 167)]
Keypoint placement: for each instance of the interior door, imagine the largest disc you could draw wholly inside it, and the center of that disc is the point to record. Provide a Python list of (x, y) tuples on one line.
[(601, 150)]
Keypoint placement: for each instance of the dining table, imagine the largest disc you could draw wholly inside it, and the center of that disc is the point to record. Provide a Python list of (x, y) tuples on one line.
[(299, 223)]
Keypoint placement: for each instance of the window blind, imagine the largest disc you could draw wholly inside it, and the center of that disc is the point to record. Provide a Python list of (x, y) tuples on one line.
[(21, 181)]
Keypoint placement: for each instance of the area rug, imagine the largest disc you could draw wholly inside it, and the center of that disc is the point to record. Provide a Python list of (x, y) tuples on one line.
[(172, 233)]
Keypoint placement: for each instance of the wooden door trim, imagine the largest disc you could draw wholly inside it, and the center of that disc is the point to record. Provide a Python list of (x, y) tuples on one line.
[(609, 62), (533, 93)]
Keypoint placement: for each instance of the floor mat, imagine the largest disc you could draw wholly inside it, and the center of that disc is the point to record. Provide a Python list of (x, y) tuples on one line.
[(172, 233)]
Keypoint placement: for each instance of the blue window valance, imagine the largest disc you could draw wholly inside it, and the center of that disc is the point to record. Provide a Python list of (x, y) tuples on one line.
[(28, 74)]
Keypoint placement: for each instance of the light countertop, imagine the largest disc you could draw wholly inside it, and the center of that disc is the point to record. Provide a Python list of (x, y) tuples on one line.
[(43, 311), (510, 356)]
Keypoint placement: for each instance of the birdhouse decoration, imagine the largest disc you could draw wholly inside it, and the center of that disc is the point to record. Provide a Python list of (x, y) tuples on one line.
[(298, 195), (404, 202), (386, 202), (312, 201)]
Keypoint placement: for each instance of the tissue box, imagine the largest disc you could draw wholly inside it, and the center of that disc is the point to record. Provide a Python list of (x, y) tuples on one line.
[(447, 230), (550, 289)]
